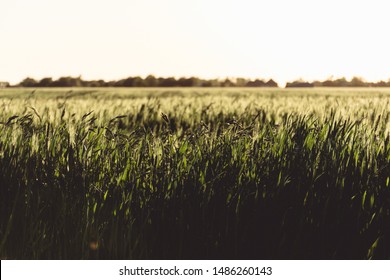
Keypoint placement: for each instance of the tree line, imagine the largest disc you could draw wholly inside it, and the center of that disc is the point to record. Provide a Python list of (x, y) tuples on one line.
[(341, 82), (152, 81), (149, 81)]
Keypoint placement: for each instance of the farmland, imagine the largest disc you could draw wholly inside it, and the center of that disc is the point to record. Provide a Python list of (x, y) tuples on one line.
[(198, 173)]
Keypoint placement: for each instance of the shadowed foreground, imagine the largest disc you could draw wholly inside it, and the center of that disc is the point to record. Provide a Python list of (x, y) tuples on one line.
[(151, 186)]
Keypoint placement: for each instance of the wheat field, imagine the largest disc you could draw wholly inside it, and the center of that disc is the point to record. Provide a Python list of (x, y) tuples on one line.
[(197, 173)]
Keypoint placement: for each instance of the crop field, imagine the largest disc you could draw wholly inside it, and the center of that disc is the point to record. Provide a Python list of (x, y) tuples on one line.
[(197, 173)]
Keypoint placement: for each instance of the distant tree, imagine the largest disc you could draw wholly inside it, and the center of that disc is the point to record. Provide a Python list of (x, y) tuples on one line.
[(196, 82), (110, 83), (118, 83), (28, 82), (388, 83), (317, 84), (357, 82), (341, 82), (210, 83), (45, 82), (206, 83), (184, 82), (327, 83), (128, 82), (96, 83), (188, 82), (256, 83), (151, 81), (167, 82), (138, 82), (271, 83), (299, 83), (227, 83), (380, 84), (4, 84), (102, 83), (68, 82), (242, 82)]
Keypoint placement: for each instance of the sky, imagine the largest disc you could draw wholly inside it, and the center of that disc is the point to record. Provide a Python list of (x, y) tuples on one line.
[(113, 39)]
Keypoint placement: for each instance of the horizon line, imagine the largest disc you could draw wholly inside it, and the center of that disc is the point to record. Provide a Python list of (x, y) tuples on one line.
[(218, 78)]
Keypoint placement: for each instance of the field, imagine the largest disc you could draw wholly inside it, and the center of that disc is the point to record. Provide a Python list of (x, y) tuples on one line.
[(111, 173)]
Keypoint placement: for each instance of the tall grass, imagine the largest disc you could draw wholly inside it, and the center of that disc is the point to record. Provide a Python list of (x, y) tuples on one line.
[(193, 180)]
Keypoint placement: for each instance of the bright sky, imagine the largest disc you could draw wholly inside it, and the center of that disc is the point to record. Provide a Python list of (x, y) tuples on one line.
[(113, 39)]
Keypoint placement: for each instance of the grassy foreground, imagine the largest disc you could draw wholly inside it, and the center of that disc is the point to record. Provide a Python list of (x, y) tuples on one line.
[(180, 174)]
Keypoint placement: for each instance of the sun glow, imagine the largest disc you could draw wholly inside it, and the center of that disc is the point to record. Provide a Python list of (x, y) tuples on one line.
[(283, 40)]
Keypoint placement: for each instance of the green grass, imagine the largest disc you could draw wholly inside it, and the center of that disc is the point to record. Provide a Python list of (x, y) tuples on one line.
[(195, 173)]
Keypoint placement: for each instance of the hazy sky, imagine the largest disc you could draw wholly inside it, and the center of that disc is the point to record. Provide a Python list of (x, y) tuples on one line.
[(113, 39)]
